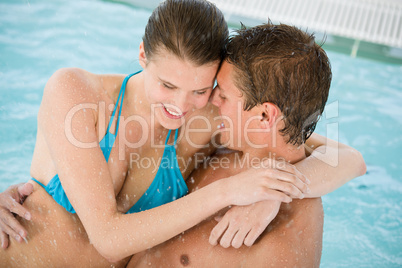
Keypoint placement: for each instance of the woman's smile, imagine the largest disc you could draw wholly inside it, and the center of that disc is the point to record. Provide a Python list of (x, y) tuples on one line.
[(172, 112)]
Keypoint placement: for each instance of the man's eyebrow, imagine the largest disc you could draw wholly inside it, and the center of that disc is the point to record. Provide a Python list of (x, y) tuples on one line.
[(163, 81), (220, 88)]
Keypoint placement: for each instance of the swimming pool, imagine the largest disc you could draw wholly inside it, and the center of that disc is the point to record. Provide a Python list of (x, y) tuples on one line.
[(363, 219)]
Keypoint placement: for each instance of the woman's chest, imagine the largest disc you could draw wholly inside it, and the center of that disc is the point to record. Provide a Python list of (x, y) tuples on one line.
[(167, 166)]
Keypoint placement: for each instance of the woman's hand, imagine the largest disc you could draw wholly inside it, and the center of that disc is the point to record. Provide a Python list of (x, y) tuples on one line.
[(243, 224), (10, 202), (272, 180)]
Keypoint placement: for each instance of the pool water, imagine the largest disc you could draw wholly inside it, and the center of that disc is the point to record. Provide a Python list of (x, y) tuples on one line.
[(363, 219)]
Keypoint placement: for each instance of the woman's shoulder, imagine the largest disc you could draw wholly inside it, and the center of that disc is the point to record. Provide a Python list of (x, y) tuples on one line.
[(78, 85), (67, 89), (72, 82)]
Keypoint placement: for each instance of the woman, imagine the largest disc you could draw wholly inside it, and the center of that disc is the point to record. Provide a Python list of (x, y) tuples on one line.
[(182, 49)]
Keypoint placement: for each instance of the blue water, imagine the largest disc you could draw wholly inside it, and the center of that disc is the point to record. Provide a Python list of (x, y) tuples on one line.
[(363, 219)]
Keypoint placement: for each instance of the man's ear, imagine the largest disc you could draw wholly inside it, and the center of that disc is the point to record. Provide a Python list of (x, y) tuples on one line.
[(269, 113), (142, 57)]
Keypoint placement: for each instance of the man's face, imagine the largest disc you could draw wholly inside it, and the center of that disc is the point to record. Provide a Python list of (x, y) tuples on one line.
[(236, 122)]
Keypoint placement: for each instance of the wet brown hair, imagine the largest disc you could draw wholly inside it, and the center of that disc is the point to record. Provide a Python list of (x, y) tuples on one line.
[(283, 65), (191, 29)]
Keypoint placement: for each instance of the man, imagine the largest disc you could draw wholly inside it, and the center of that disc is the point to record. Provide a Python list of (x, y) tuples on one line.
[(280, 78)]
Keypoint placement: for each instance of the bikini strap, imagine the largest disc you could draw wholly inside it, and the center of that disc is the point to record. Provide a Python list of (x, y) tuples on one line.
[(175, 137), (168, 136), (119, 98), (38, 182)]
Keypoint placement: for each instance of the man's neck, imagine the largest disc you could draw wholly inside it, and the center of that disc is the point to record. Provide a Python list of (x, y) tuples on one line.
[(280, 150)]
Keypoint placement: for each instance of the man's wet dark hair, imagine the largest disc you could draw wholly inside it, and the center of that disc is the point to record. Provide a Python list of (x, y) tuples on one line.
[(283, 65)]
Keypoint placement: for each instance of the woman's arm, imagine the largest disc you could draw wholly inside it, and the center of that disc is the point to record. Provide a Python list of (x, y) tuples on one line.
[(330, 165), (87, 182)]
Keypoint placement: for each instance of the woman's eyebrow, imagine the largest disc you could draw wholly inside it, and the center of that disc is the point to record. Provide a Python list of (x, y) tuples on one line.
[(166, 82), (204, 88)]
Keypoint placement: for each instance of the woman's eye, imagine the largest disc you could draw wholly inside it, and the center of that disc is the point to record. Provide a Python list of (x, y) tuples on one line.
[(167, 86), (201, 92), (222, 97)]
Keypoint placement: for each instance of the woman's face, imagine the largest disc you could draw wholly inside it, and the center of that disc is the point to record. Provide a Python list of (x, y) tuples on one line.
[(175, 87)]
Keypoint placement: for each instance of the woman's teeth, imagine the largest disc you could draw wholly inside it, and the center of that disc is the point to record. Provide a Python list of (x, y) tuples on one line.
[(172, 112)]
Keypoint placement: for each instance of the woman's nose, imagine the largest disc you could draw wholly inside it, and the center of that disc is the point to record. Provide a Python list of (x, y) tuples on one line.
[(183, 102)]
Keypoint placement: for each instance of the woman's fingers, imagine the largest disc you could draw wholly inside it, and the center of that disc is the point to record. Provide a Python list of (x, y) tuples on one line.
[(284, 186), (15, 207), (272, 164), (252, 236), (11, 200), (24, 191), (244, 224), (232, 233), (11, 226), (258, 184), (4, 239), (281, 176), (286, 166), (9, 204), (218, 230), (227, 237), (239, 238), (276, 196), (11, 232)]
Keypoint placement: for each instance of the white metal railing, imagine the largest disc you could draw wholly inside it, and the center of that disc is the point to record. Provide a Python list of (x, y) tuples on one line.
[(378, 21)]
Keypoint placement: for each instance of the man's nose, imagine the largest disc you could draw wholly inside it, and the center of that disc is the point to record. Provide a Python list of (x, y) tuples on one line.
[(214, 98)]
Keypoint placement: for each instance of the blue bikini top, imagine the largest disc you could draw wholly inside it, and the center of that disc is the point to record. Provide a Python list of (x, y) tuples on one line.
[(168, 184)]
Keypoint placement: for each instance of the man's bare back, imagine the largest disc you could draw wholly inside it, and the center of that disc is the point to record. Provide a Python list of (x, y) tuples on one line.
[(293, 239)]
